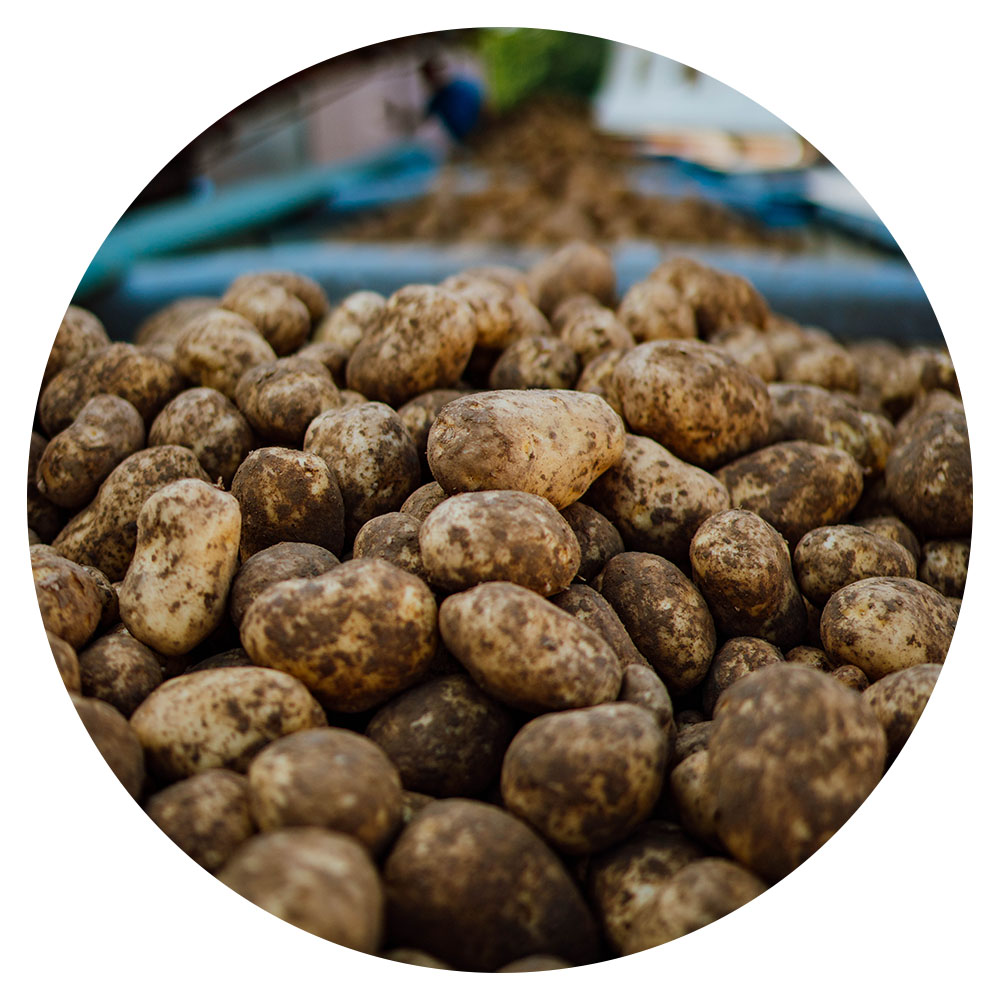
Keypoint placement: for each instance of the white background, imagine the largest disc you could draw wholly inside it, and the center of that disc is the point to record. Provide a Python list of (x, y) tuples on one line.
[(99, 95)]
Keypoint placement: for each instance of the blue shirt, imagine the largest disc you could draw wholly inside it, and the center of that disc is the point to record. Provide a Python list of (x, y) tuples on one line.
[(457, 104)]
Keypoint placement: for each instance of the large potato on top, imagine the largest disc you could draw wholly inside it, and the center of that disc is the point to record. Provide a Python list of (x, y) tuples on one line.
[(175, 591), (553, 443), (477, 888), (694, 399), (423, 340), (498, 535), (885, 624), (355, 636), (527, 653), (795, 486), (585, 779), (656, 501), (220, 718), (791, 756)]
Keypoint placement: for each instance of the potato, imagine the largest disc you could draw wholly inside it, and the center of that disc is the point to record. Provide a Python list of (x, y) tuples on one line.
[(347, 322), (893, 528), (656, 501), (664, 614), (68, 597), (928, 476), (693, 399), (588, 606), (103, 534), (535, 963), (944, 565), (423, 341), (791, 757), (736, 658), (472, 885), (642, 686), (510, 279), (145, 381), (321, 881), (174, 593), (207, 815), (309, 292), (535, 363), (67, 662), (692, 737), (829, 558), (700, 893), (80, 334), (220, 718), (372, 457), (574, 268), (77, 460), (598, 538), (355, 636), (828, 365), (525, 652), (585, 778), (935, 401), (795, 486), (120, 670), (552, 443), (205, 421), (498, 535), (288, 496), (655, 310), (503, 315), (116, 740), (394, 537), (281, 398), (749, 347), (217, 346), (414, 956), (44, 517), (590, 331), (281, 317), (693, 798), (421, 411), (885, 624), (163, 327), (898, 701), (446, 736), (422, 501), (330, 778)]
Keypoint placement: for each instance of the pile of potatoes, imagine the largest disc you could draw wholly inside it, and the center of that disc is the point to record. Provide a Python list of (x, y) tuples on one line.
[(503, 624)]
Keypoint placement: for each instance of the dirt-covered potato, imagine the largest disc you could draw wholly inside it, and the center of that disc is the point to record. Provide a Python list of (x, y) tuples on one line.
[(103, 534), (828, 365), (654, 310), (591, 330), (935, 401), (535, 963), (205, 421), (207, 815), (348, 321), (446, 736), (304, 288), (598, 538), (692, 736), (929, 476), (526, 652), (120, 670), (355, 636), (792, 754), (656, 501), (331, 778), (476, 887), (944, 565), (692, 798), (423, 500), (664, 614), (795, 486), (394, 537), (508, 535), (319, 880), (641, 686), (281, 317), (414, 956), (885, 624), (749, 347), (281, 398), (585, 778), (77, 460), (80, 334), (163, 327), (553, 443), (174, 593), (220, 718), (829, 558), (217, 346), (422, 341), (116, 739), (694, 399), (535, 363), (898, 701), (698, 894), (502, 314), (372, 457), (68, 597), (574, 268), (588, 606), (735, 659), (891, 527), (421, 411), (67, 662), (288, 496), (44, 517), (145, 381)]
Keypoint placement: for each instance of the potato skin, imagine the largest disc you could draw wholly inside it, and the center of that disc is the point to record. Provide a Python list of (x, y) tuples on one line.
[(67, 662), (355, 636), (576, 267), (120, 670), (944, 565), (553, 443), (394, 537), (319, 880), (77, 460), (898, 701), (116, 739), (535, 363), (174, 593), (68, 598), (349, 320), (585, 778), (220, 718), (80, 334), (736, 658), (331, 778), (525, 652), (791, 756), (654, 310), (885, 624), (598, 538), (474, 886), (44, 517), (498, 535), (281, 317)]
